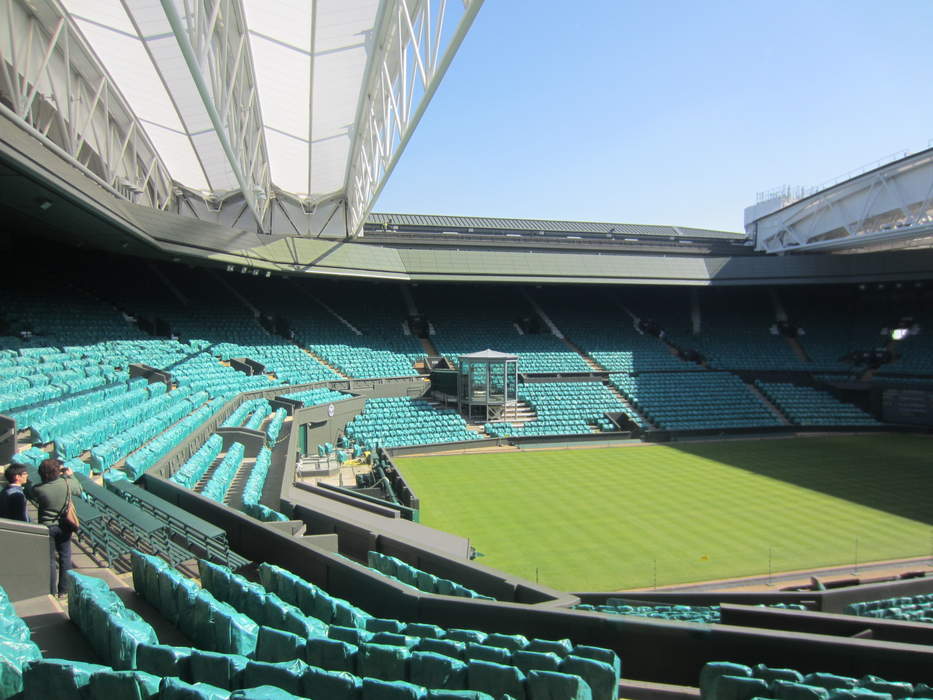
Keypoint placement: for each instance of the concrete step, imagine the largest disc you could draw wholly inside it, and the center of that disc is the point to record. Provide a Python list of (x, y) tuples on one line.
[(52, 631)]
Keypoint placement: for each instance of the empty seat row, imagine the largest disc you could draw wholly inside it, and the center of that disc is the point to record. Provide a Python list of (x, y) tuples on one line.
[(730, 681), (806, 405), (252, 492), (193, 470), (422, 580), (216, 487), (312, 665)]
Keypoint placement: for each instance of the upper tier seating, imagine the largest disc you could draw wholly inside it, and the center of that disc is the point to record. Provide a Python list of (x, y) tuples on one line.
[(397, 421), (695, 400), (606, 333), (468, 321), (379, 348), (840, 323), (735, 333), (563, 408), (806, 405), (314, 397), (289, 362)]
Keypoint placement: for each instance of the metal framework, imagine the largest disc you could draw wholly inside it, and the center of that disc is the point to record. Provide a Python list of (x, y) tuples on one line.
[(408, 62), (224, 121), (52, 85), (891, 203)]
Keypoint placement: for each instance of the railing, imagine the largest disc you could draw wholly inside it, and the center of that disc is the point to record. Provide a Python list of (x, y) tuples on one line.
[(794, 194)]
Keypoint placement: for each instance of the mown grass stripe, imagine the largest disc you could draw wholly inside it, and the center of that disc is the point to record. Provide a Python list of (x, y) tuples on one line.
[(603, 519)]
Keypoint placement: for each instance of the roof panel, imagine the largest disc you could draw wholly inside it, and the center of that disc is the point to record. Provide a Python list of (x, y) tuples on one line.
[(308, 134), (493, 224), (289, 161), (285, 21), (327, 168), (280, 43), (113, 38), (283, 93)]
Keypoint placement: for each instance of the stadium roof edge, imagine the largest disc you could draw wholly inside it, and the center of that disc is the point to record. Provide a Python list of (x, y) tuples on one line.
[(435, 221)]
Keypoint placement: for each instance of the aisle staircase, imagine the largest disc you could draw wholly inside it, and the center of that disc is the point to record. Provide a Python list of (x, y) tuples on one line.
[(234, 495), (594, 365), (324, 362), (777, 412), (624, 399)]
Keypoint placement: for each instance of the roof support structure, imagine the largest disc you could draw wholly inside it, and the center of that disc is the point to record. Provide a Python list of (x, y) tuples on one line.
[(891, 203), (215, 46), (53, 85), (215, 97), (409, 60)]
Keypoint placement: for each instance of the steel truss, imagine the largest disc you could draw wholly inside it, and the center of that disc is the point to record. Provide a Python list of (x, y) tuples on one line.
[(410, 57), (890, 203), (213, 42), (53, 86)]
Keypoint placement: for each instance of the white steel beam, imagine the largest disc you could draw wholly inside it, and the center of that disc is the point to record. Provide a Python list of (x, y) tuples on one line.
[(56, 89), (889, 203), (214, 94), (405, 69)]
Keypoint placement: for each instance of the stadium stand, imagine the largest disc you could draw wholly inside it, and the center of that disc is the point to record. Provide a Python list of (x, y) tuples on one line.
[(290, 634), (564, 408), (70, 391), (917, 608), (396, 421), (722, 680), (469, 320), (807, 405), (695, 400), (735, 333), (398, 570), (359, 331), (599, 326)]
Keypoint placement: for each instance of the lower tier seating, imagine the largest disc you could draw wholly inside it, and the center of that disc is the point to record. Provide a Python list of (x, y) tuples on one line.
[(257, 637), (563, 408), (806, 405), (429, 583), (16, 648), (916, 608), (729, 681), (695, 400), (397, 421)]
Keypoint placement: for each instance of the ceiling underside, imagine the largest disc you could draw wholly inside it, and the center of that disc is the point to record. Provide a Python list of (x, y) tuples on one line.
[(308, 57)]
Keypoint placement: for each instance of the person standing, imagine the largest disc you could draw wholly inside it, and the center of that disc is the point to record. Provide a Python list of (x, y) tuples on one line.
[(12, 498), (51, 498)]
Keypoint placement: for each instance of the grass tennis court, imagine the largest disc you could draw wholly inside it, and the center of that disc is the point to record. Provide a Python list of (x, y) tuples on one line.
[(627, 517)]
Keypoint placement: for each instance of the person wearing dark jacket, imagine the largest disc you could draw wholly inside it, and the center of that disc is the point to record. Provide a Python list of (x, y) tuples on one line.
[(12, 498), (51, 497)]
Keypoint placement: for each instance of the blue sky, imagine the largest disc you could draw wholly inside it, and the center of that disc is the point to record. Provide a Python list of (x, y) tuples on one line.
[(666, 112)]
